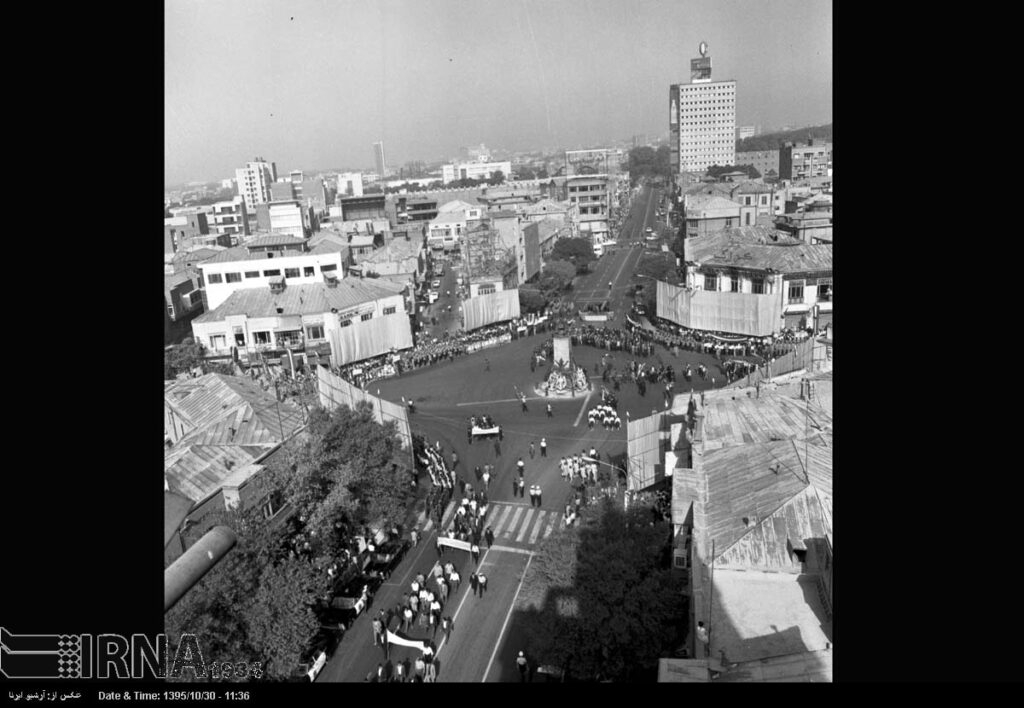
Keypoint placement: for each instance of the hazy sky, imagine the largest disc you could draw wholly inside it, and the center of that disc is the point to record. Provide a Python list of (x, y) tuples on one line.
[(313, 83)]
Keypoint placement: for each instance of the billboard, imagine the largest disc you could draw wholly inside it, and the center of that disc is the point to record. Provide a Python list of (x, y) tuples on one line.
[(700, 70)]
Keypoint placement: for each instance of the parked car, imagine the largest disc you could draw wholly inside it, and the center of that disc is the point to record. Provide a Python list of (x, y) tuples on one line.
[(432, 296), (436, 284), (386, 558), (650, 230), (320, 648), (355, 597)]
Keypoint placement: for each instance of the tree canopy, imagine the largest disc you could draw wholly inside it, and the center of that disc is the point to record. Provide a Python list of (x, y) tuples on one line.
[(497, 177), (717, 171), (775, 141), (646, 161), (577, 250), (256, 605), (557, 276), (187, 356), (531, 300), (601, 599)]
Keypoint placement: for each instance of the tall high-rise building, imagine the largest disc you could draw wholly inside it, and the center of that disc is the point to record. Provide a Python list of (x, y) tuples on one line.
[(378, 155), (254, 181), (702, 119)]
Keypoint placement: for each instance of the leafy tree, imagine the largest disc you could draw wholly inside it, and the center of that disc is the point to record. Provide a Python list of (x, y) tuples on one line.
[(497, 177), (531, 300), (182, 358), (557, 275), (279, 627), (609, 605), (659, 266), (525, 173), (542, 174), (579, 251)]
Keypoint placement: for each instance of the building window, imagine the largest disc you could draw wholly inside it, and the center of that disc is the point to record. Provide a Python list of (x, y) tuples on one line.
[(315, 331), (215, 278), (233, 277), (824, 290), (291, 272), (757, 286), (218, 341), (734, 282), (366, 317), (389, 310), (710, 282), (170, 311), (328, 268), (252, 274), (261, 337), (271, 273), (728, 223), (345, 323), (309, 271), (796, 291)]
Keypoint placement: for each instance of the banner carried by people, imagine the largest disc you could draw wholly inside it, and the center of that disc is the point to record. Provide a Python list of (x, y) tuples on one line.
[(454, 543), (405, 641), (494, 307)]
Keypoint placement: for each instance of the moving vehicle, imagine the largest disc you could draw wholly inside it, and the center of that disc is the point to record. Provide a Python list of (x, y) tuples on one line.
[(650, 230), (598, 249), (436, 284), (432, 296)]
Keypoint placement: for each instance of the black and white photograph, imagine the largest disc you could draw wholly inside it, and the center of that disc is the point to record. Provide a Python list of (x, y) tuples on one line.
[(422, 258)]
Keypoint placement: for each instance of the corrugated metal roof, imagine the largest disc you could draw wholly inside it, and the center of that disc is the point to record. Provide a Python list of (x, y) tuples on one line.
[(302, 299), (197, 471), (276, 240)]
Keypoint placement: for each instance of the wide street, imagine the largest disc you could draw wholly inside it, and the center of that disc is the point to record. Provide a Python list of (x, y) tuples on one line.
[(485, 638)]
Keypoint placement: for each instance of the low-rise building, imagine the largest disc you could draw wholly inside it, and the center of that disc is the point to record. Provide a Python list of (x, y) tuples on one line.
[(446, 229), (800, 161), (753, 193), (706, 214), (350, 184), (282, 320), (254, 264), (220, 429), (813, 227), (231, 217), (764, 161), (509, 197), (368, 206), (763, 261), (474, 170), (752, 512)]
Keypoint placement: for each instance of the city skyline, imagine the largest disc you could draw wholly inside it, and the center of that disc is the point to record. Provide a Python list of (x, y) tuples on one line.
[(315, 84)]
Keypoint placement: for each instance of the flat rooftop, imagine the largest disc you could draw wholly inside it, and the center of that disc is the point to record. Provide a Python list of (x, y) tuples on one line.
[(759, 615)]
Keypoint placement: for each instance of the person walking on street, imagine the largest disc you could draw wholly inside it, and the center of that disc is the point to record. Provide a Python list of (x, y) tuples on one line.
[(446, 626), (532, 492), (489, 535), (550, 414), (531, 449), (487, 364), (475, 550), (378, 632), (486, 477), (522, 488), (455, 459), (455, 579), (481, 581), (406, 619), (522, 399), (515, 487), (414, 537), (443, 586), (543, 447), (472, 582), (523, 667), (538, 496), (521, 466)]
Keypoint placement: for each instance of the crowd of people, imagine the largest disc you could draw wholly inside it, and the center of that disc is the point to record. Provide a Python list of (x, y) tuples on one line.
[(607, 416), (432, 459), (468, 522)]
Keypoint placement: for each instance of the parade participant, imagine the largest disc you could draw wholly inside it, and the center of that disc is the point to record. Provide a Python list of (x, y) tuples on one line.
[(522, 666), (521, 465), (430, 673), (486, 478), (481, 581), (531, 495), (420, 667), (378, 632), (475, 551), (415, 587), (407, 618), (550, 414), (472, 582), (522, 488), (531, 449), (522, 399), (446, 625), (489, 535), (400, 672), (455, 460), (455, 579), (538, 496)]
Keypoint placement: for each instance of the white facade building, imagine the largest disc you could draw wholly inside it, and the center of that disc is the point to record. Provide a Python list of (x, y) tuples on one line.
[(702, 120), (286, 218), (446, 229), (230, 217), (350, 184), (239, 269), (474, 170), (254, 182)]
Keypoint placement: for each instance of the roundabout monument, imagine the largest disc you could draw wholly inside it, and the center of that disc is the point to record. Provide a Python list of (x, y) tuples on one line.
[(566, 378)]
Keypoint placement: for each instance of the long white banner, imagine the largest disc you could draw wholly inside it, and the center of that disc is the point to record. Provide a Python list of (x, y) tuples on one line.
[(402, 641), (454, 543)]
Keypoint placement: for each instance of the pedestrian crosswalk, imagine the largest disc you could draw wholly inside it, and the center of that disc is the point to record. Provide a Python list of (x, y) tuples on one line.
[(521, 524)]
